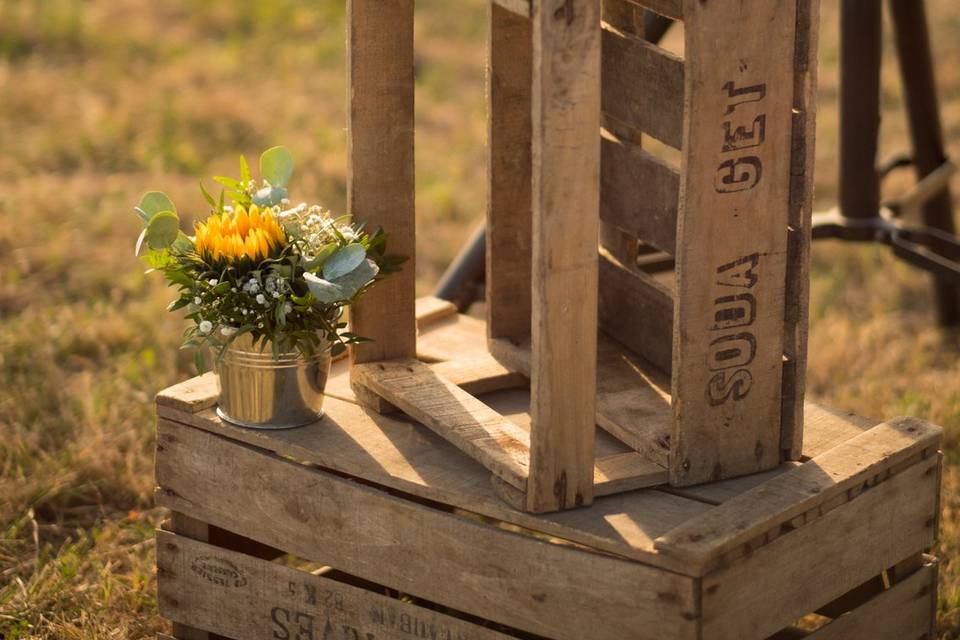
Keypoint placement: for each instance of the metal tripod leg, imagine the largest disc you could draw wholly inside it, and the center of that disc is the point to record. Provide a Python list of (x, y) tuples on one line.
[(916, 68)]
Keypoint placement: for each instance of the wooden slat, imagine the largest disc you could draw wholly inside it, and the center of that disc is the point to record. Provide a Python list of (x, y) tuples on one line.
[(509, 217), (189, 528), (481, 432), (380, 179), (643, 86), (453, 414), (639, 193), (637, 311), (732, 240), (522, 8), (479, 375), (907, 610), (566, 196), (527, 583), (824, 559), (429, 309), (626, 472), (703, 541), (400, 455), (826, 428), (239, 596), (669, 8), (633, 399), (796, 315)]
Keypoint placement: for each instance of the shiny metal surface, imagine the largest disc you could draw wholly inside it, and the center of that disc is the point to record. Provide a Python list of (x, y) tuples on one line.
[(259, 392)]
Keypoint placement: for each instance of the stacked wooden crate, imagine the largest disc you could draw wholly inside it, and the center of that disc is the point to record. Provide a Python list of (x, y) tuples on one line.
[(714, 306), (459, 485), (421, 545)]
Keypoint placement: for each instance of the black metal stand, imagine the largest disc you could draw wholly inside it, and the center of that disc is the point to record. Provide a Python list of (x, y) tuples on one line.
[(860, 215)]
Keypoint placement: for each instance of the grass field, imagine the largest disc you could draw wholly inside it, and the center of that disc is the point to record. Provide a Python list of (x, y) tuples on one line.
[(102, 99)]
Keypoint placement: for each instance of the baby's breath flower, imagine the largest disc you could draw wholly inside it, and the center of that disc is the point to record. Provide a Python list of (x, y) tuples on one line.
[(197, 300), (261, 298), (228, 331), (206, 326)]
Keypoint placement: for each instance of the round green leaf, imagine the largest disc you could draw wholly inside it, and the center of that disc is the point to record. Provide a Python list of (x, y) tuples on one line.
[(153, 203), (276, 166), (344, 261), (163, 229)]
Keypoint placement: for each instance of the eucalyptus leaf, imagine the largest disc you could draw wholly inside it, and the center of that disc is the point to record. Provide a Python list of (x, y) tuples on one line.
[(344, 261), (152, 203), (162, 229), (343, 288), (324, 291), (365, 272), (276, 166), (269, 196)]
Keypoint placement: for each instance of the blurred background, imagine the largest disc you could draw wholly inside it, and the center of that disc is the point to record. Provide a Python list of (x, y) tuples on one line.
[(101, 100)]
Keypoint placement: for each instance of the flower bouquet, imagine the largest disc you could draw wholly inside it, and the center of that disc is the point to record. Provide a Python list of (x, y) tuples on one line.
[(265, 285)]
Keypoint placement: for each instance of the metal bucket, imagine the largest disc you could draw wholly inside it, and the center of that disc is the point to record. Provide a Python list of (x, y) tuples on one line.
[(260, 392)]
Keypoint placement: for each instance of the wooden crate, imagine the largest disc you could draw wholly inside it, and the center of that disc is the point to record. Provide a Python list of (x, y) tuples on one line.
[(421, 546), (715, 307)]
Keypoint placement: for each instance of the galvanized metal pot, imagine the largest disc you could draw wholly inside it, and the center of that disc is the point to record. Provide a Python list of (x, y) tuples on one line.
[(260, 392)]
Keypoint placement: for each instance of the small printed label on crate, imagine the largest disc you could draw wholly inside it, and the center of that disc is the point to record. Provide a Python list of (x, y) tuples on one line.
[(219, 571)]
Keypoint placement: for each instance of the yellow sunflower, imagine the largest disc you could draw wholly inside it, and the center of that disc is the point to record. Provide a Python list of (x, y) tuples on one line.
[(231, 237)]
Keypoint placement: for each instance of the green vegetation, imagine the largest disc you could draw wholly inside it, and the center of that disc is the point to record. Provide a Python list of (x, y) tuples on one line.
[(102, 98)]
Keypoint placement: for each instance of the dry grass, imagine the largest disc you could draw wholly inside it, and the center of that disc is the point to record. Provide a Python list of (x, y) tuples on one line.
[(102, 98)]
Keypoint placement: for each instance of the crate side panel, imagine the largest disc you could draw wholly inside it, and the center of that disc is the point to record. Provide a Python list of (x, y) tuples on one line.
[(241, 596), (517, 580), (732, 239), (907, 611), (804, 569)]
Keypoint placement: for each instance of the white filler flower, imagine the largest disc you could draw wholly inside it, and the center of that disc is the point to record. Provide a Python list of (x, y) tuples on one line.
[(206, 326)]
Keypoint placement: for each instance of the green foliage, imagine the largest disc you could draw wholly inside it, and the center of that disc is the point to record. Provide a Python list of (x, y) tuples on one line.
[(276, 166), (162, 230), (289, 298)]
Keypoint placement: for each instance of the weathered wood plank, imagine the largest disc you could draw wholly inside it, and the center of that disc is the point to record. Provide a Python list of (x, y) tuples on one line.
[(907, 610), (429, 309), (821, 560), (732, 240), (528, 583), (626, 472), (479, 375), (669, 8), (643, 86), (637, 311), (483, 433), (566, 197), (399, 454), (639, 193), (451, 413), (380, 177), (521, 8), (796, 315), (633, 399), (189, 528), (239, 596), (703, 541), (826, 427), (509, 213)]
